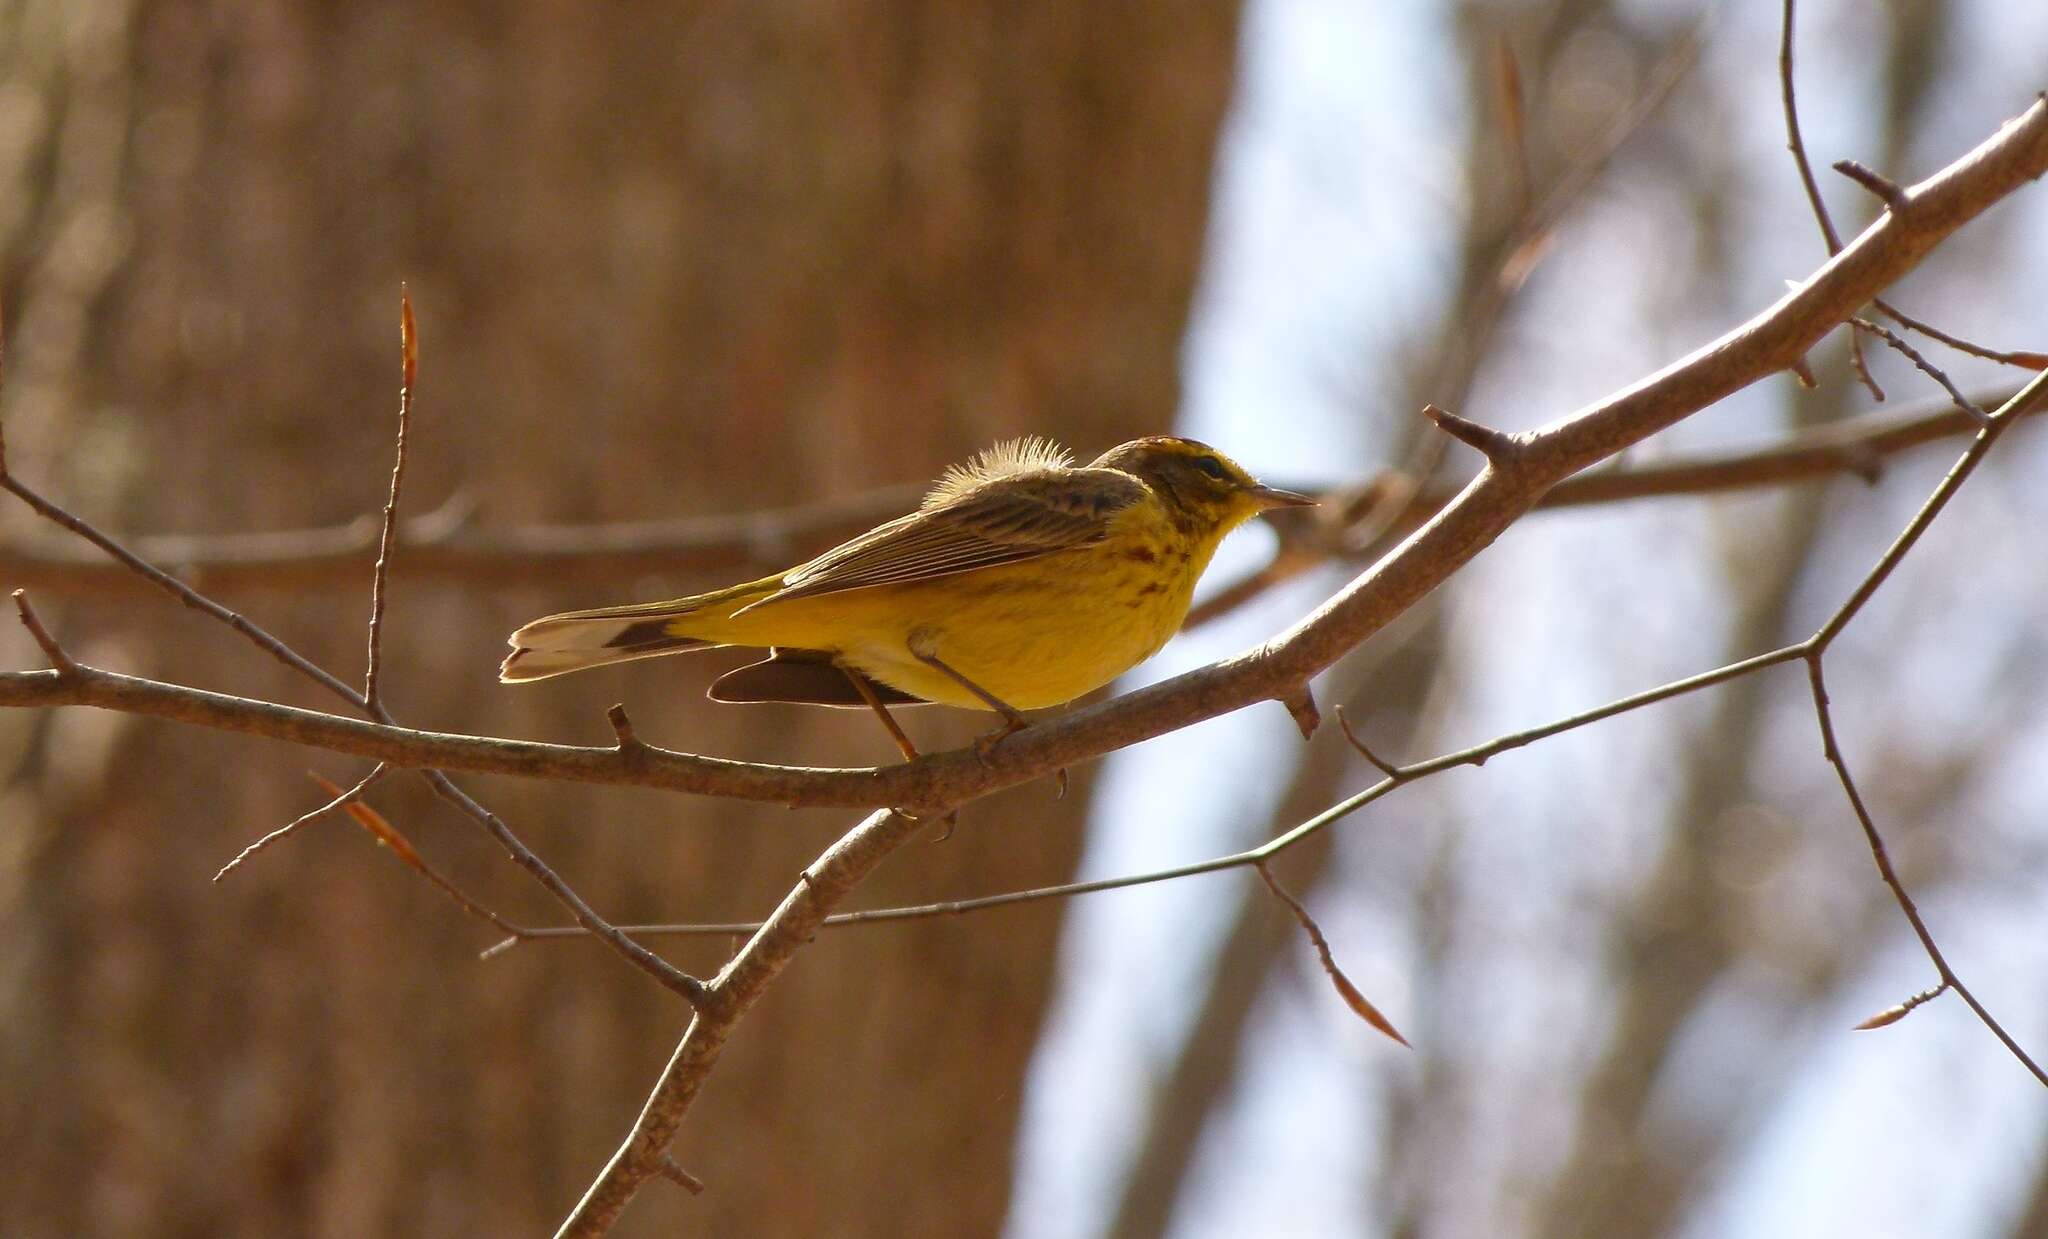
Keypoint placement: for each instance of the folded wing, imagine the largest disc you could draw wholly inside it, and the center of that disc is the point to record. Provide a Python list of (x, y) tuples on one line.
[(1017, 519)]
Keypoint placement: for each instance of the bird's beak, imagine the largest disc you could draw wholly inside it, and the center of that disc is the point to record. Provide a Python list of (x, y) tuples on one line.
[(1270, 497)]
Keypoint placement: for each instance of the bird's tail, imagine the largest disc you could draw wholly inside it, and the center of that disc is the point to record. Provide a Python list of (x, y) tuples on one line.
[(576, 640)]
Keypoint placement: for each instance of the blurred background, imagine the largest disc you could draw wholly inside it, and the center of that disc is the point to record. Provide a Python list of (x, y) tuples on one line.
[(677, 261)]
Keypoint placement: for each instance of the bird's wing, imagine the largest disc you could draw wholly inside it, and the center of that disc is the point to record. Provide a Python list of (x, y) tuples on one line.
[(1004, 522)]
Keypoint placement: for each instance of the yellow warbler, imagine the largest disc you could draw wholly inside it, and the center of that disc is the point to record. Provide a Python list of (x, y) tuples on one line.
[(1021, 581)]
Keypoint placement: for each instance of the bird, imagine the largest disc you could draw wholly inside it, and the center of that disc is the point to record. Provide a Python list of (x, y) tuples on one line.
[(1022, 581)]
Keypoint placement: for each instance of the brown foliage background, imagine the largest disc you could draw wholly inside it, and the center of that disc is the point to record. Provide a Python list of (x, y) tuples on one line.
[(666, 262)]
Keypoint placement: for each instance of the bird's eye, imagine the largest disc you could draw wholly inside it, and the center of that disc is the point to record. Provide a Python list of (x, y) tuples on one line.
[(1213, 467)]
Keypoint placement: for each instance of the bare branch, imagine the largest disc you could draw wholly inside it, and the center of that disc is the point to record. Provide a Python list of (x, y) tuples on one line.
[(337, 799), (1385, 768), (729, 997), (60, 662), (440, 546), (2025, 401), (1476, 755), (2014, 357), (1816, 648), (1797, 145), (409, 357), (1833, 750), (1925, 366)]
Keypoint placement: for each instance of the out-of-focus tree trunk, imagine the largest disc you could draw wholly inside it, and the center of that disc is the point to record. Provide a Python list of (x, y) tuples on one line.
[(666, 261)]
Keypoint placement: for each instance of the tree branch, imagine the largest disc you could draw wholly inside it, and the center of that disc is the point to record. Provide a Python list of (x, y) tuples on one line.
[(728, 997)]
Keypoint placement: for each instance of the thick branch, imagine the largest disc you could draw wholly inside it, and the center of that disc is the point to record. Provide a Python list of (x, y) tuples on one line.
[(730, 994)]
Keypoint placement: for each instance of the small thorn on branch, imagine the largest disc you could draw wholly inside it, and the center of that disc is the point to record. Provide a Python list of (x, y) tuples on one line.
[(1892, 1015), (1384, 767), (1301, 706), (1803, 371), (622, 727), (681, 1177), (1885, 189), (1498, 448), (59, 660)]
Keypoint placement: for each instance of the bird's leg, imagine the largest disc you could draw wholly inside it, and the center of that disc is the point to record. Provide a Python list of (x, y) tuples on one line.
[(1013, 720), (867, 694)]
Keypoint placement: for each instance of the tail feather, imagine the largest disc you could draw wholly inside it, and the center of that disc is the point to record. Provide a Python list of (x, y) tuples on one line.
[(560, 644), (574, 640), (522, 665)]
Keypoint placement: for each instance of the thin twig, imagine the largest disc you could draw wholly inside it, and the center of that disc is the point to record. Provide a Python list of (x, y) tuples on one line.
[(1513, 111), (2013, 357), (1894, 198), (338, 799), (1816, 648), (387, 537), (1797, 145), (60, 662), (1833, 750), (1925, 366), (2023, 402), (1384, 767)]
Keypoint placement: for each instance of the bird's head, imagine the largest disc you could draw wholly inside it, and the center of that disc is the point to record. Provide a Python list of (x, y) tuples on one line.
[(1198, 484)]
